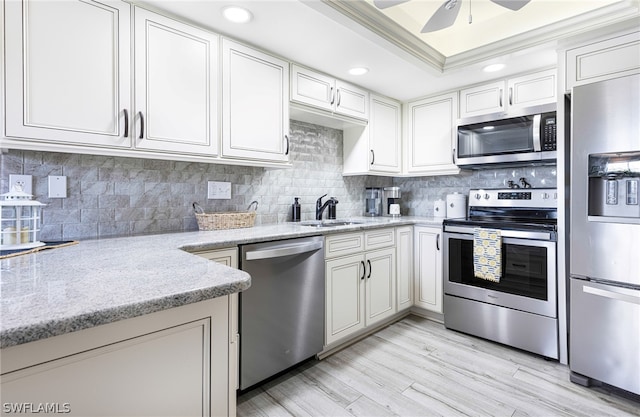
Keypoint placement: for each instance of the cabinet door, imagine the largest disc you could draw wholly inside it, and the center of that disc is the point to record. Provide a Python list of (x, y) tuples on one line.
[(484, 99), (428, 268), (255, 109), (532, 90), (431, 135), (603, 60), (312, 88), (351, 100), (68, 72), (345, 297), (380, 285), (404, 262), (384, 134), (176, 82)]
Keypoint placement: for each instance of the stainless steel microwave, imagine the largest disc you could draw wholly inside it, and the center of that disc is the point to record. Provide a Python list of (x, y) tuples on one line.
[(527, 139)]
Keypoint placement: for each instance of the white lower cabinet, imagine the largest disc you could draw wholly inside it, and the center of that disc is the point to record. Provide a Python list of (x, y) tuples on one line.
[(428, 268), (169, 363), (404, 270), (229, 257), (360, 281)]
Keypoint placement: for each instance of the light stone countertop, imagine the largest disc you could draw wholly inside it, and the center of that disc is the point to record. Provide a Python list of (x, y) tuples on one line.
[(95, 282)]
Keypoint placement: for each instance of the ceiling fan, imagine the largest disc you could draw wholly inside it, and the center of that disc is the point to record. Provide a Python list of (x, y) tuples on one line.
[(446, 14)]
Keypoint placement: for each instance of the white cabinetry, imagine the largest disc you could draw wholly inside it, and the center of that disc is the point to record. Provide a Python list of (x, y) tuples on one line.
[(324, 92), (509, 95), (375, 148), (173, 362), (360, 281), (404, 270), (255, 104), (431, 136), (176, 84), (428, 268), (67, 72), (229, 257), (602, 60)]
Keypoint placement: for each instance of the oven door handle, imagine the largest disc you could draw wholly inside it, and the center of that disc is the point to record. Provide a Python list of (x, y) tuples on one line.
[(517, 234)]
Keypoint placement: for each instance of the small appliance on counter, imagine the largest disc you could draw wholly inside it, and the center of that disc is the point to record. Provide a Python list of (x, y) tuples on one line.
[(456, 206), (373, 201), (295, 210), (391, 201)]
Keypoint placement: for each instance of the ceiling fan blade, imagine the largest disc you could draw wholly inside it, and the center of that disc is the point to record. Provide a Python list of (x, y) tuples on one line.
[(383, 4), (443, 17), (512, 4)]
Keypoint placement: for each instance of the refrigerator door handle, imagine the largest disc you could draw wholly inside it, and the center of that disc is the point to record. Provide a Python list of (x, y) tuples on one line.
[(611, 294)]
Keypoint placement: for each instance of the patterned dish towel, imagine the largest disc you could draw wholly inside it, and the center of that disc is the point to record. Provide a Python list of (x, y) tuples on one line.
[(487, 256)]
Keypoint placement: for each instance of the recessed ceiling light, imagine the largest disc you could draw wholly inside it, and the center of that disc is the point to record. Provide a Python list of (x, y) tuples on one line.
[(236, 14), (493, 67), (358, 71)]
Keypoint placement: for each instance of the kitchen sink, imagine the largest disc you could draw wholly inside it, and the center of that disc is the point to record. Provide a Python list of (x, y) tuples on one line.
[(329, 223)]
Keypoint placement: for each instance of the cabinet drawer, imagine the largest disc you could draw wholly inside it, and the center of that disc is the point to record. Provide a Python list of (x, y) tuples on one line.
[(344, 244), (380, 238)]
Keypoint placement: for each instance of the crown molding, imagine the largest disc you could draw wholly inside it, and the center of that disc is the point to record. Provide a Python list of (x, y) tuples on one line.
[(379, 24)]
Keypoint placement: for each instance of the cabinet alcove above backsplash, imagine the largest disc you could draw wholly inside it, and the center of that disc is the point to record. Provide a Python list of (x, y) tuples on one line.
[(117, 196)]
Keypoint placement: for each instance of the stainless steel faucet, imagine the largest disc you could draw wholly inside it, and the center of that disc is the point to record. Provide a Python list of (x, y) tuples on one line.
[(331, 203)]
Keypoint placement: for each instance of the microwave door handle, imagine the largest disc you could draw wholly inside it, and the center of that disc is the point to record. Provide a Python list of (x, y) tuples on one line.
[(536, 133)]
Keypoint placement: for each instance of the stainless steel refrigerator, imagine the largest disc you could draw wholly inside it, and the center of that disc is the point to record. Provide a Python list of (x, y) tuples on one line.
[(604, 328)]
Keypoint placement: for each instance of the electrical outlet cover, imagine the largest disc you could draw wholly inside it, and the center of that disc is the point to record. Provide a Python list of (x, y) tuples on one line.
[(57, 186), (25, 180), (218, 190)]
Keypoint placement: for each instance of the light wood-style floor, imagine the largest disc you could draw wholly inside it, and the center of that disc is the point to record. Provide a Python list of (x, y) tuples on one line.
[(416, 367)]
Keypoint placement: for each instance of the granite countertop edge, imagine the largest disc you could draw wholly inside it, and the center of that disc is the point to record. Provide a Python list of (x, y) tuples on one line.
[(175, 249)]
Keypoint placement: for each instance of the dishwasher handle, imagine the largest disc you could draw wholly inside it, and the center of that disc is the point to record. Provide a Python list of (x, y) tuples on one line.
[(283, 251)]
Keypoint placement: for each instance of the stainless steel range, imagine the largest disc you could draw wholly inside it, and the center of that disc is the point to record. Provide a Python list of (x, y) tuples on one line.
[(512, 234)]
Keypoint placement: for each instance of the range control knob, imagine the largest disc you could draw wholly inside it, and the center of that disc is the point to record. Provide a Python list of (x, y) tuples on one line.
[(545, 196), (478, 196), (487, 196)]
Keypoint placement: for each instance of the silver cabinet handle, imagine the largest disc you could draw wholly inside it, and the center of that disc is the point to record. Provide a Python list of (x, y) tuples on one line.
[(333, 97), (501, 97), (339, 97), (287, 139), (364, 270), (369, 262), (438, 242), (510, 96), (373, 157), (141, 125), (453, 156), (126, 123), (282, 251)]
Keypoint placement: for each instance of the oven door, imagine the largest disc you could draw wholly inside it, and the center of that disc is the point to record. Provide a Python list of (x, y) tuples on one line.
[(528, 281)]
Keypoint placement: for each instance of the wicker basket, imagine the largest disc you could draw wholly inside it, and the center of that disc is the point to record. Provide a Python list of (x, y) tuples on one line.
[(228, 220)]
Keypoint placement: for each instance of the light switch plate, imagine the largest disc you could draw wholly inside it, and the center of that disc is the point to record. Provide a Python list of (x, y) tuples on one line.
[(218, 190), (57, 186), (25, 180)]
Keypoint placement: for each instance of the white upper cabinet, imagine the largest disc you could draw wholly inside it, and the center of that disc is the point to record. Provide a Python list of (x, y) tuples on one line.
[(431, 135), (176, 86), (324, 92), (602, 60), (506, 95), (376, 148), (255, 104), (68, 72)]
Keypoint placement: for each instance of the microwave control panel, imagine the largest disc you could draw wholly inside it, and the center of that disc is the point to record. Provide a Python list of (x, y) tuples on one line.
[(549, 133)]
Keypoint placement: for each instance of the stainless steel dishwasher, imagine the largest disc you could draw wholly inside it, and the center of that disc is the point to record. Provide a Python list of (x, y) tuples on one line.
[(282, 313)]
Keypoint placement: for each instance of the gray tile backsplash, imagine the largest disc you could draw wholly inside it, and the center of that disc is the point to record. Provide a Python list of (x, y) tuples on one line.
[(115, 196)]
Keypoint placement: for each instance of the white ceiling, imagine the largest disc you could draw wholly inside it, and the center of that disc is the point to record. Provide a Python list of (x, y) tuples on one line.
[(333, 36)]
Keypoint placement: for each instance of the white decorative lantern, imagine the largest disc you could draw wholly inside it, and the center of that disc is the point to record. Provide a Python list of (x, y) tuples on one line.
[(20, 220)]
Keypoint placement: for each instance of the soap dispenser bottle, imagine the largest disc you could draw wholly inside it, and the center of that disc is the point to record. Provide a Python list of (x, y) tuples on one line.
[(295, 210)]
